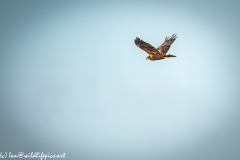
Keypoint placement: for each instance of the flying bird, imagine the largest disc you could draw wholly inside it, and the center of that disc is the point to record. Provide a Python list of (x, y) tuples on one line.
[(160, 52)]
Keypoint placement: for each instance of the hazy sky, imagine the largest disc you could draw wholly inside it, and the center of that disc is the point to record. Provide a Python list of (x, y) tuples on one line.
[(73, 81)]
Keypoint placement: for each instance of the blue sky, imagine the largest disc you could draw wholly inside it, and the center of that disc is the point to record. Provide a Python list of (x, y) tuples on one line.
[(73, 81)]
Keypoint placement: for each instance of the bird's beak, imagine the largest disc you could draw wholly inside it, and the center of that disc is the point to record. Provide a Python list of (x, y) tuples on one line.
[(147, 58)]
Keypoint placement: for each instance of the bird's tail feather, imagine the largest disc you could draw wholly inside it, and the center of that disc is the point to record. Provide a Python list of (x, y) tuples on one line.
[(169, 55)]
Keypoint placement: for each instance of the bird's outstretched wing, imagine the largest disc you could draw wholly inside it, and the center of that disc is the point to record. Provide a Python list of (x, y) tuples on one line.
[(167, 44), (145, 46)]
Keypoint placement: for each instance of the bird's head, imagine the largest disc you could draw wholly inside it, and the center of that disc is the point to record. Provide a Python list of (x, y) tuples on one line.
[(148, 57)]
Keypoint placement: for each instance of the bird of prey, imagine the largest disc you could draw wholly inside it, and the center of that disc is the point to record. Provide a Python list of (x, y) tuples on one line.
[(160, 52)]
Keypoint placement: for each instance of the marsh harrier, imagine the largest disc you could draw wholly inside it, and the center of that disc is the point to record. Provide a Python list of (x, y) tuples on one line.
[(160, 52)]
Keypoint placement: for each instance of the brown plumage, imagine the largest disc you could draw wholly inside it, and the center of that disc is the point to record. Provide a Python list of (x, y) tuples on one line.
[(160, 52)]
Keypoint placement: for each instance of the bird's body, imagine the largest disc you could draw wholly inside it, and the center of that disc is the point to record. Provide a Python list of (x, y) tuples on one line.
[(154, 57), (160, 52)]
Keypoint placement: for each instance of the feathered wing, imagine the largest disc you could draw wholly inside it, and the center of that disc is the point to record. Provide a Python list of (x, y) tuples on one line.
[(167, 44), (145, 46)]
